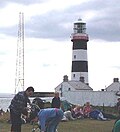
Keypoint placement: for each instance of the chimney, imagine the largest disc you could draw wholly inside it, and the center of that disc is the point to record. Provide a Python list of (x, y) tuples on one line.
[(65, 78), (116, 80)]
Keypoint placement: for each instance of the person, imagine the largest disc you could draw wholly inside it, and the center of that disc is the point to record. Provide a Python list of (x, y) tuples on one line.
[(48, 118), (67, 116), (118, 106), (116, 127), (1, 111), (87, 109), (98, 115), (77, 112), (56, 101), (18, 107)]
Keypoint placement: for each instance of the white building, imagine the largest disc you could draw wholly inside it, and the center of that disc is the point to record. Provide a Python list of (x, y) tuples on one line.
[(77, 92)]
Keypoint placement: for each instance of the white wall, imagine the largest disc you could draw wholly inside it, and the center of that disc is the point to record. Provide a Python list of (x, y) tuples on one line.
[(96, 98)]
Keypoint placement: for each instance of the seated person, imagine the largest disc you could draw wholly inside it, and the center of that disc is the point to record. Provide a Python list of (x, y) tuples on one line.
[(77, 112), (67, 116), (87, 109), (48, 118), (97, 114)]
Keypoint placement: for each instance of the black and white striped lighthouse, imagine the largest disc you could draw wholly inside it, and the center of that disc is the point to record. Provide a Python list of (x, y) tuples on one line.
[(79, 38)]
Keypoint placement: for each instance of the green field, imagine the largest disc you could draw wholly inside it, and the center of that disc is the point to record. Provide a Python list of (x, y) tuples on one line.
[(84, 125), (79, 125)]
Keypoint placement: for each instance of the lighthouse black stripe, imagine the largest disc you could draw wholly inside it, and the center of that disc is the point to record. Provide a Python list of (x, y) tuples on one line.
[(79, 44), (79, 66)]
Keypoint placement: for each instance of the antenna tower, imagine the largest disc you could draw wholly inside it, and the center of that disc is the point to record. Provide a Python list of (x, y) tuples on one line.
[(19, 79)]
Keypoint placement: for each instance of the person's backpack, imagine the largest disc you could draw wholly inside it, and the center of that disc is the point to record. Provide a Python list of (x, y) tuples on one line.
[(38, 101), (36, 105)]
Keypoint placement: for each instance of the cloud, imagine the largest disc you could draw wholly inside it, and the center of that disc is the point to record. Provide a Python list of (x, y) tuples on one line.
[(23, 2), (101, 17), (49, 27)]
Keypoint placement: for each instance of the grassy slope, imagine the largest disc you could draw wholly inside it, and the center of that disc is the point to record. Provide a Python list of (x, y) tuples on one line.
[(84, 125), (71, 126)]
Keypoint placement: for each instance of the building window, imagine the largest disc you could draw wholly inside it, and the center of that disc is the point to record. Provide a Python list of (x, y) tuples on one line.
[(74, 56), (69, 89)]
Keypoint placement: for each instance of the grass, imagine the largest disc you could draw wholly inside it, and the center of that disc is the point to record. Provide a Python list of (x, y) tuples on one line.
[(86, 125), (81, 125)]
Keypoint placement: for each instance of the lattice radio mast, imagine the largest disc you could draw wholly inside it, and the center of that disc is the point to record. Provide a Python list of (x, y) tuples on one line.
[(19, 79)]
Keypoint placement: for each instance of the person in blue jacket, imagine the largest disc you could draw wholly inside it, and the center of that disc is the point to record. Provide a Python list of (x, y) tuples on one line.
[(97, 114), (48, 118)]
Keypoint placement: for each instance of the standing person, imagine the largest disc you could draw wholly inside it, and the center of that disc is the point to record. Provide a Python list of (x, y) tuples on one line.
[(118, 106), (48, 118), (56, 101), (18, 106)]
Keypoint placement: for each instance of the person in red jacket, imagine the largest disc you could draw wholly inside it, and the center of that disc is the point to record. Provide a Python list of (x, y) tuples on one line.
[(87, 109)]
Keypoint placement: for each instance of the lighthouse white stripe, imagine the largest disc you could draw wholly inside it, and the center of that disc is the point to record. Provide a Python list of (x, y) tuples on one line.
[(80, 55)]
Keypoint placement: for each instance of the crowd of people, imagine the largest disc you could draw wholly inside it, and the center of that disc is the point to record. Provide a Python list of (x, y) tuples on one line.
[(73, 112), (81, 112), (52, 116)]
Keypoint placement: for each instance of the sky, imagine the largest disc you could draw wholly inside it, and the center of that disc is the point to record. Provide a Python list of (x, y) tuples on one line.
[(47, 44)]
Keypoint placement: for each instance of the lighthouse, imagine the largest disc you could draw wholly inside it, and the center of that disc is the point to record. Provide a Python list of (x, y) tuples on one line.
[(79, 70)]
